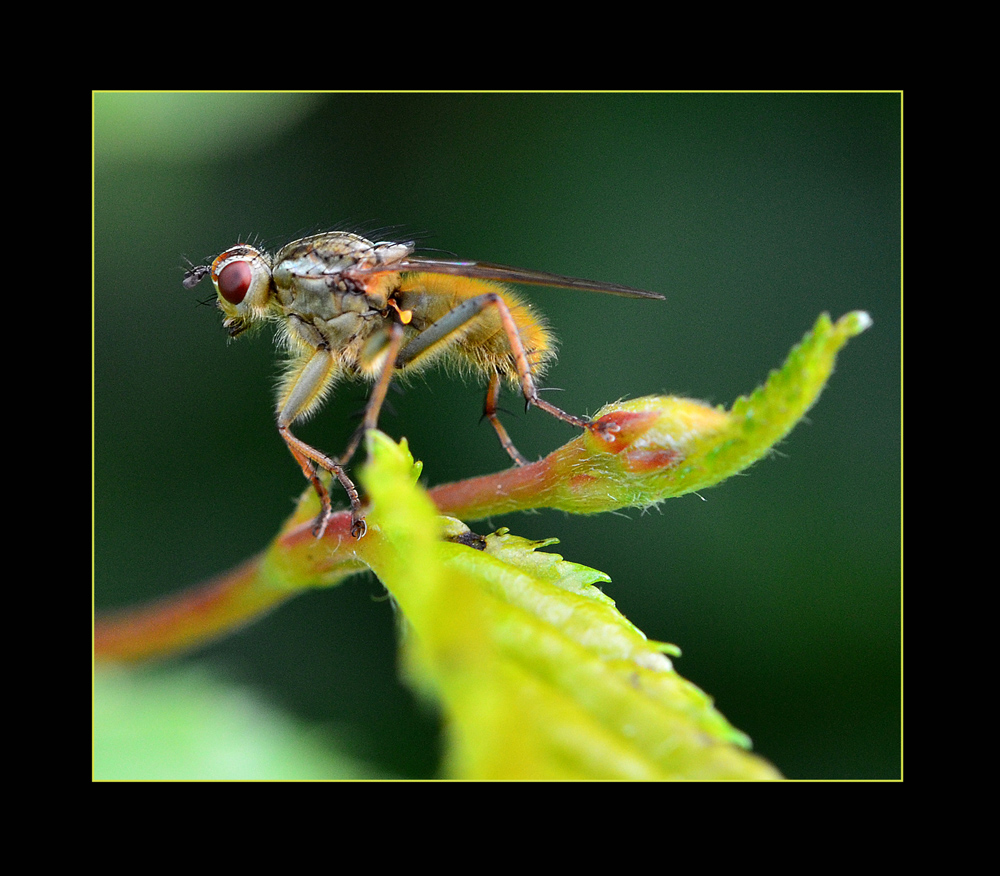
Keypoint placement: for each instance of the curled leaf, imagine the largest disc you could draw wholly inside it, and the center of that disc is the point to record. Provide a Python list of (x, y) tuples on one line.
[(645, 450)]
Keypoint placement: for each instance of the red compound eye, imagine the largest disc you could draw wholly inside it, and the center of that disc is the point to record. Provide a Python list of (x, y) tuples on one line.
[(234, 281)]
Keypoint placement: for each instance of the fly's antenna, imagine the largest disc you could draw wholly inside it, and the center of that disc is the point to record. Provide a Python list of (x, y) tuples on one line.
[(194, 275)]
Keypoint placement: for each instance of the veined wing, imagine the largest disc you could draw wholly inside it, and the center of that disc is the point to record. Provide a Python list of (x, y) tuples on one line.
[(503, 274)]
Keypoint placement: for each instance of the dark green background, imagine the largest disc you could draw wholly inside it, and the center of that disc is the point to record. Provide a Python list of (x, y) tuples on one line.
[(751, 213)]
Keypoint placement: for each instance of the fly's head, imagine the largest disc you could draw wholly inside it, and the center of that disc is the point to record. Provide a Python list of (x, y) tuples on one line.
[(242, 280)]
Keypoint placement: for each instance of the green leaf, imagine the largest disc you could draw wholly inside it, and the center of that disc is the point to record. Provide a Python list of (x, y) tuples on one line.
[(538, 674), (181, 724)]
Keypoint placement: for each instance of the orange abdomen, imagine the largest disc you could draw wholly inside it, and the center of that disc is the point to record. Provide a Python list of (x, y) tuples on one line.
[(480, 343)]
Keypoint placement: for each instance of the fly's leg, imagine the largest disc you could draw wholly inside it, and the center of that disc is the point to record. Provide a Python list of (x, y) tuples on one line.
[(457, 318), (304, 387), (490, 412), (377, 397), (309, 458)]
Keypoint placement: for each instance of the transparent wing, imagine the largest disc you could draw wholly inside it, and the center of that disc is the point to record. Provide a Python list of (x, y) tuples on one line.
[(503, 274)]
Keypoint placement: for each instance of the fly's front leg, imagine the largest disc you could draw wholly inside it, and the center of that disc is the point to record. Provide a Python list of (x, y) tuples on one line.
[(457, 318), (303, 389), (377, 397), (308, 459)]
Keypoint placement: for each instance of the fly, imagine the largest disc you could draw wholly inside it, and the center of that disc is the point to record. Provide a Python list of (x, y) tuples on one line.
[(350, 307)]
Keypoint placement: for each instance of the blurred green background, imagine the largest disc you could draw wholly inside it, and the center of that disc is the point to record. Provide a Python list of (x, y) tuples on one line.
[(752, 213)]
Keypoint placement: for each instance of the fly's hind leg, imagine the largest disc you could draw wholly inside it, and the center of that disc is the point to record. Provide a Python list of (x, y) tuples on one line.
[(303, 390), (456, 319)]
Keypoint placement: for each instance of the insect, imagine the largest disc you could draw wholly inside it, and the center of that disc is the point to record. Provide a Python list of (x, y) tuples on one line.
[(350, 307)]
